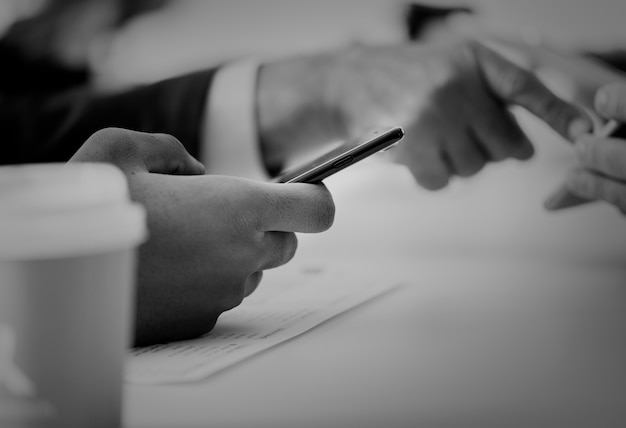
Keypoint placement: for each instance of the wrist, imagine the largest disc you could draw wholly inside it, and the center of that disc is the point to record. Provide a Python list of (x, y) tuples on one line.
[(293, 108)]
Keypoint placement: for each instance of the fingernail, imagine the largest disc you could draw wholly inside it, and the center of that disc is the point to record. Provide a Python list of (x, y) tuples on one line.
[(578, 127)]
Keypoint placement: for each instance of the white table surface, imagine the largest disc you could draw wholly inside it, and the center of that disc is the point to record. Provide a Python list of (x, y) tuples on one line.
[(508, 315)]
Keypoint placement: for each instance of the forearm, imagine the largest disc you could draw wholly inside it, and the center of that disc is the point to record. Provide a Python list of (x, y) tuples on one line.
[(52, 129)]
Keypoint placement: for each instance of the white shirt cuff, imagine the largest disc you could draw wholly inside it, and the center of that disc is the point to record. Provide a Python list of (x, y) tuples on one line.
[(229, 139)]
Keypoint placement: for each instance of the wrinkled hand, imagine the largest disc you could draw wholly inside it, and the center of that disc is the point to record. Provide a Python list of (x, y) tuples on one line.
[(210, 236), (451, 99), (602, 171)]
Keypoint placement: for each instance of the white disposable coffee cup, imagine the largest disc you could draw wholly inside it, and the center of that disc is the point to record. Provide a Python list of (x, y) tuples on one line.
[(68, 239)]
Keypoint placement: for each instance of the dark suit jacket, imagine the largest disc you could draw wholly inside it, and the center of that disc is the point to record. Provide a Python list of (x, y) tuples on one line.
[(45, 118), (45, 115)]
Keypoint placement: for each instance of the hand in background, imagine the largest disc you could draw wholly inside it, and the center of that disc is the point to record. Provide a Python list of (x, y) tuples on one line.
[(210, 236), (571, 75), (602, 171), (450, 98)]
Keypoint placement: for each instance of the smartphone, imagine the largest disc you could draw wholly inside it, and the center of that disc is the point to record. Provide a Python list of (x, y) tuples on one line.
[(343, 156)]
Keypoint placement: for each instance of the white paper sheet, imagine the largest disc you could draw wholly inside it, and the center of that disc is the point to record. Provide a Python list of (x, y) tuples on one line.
[(283, 307)]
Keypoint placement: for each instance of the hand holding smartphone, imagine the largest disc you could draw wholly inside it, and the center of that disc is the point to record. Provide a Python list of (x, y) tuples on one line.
[(343, 156)]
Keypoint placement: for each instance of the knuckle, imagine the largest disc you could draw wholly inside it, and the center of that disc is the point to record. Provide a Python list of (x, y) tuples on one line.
[(248, 224), (120, 144), (111, 135), (525, 151), (324, 210), (516, 82), (584, 184), (466, 157), (583, 150), (495, 146), (288, 248), (468, 169), (432, 181), (168, 140), (276, 249), (247, 207), (429, 171), (499, 152), (169, 144), (252, 283), (233, 295), (556, 112), (592, 156), (234, 298)]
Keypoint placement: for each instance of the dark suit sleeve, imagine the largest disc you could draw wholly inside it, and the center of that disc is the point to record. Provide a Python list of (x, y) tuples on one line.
[(614, 58), (51, 129)]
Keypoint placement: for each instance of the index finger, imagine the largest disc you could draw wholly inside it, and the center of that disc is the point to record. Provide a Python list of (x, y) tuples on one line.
[(297, 207), (135, 151), (515, 85)]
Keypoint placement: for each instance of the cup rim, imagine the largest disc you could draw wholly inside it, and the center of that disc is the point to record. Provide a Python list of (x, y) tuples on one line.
[(62, 210)]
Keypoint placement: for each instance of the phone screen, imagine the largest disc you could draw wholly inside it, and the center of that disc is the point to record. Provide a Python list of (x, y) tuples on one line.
[(343, 156)]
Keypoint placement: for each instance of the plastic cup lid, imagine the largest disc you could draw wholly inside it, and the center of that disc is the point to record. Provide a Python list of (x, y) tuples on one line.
[(63, 210)]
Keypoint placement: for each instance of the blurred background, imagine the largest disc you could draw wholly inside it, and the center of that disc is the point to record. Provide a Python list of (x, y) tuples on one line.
[(513, 309), (116, 43), (143, 40)]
